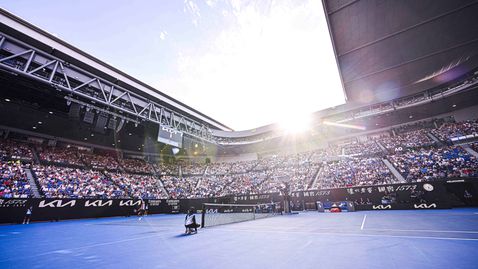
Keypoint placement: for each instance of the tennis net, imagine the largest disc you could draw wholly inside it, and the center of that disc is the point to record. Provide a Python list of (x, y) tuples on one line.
[(219, 214)]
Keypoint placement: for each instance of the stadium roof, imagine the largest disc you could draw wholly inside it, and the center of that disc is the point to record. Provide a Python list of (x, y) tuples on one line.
[(390, 49), (39, 38)]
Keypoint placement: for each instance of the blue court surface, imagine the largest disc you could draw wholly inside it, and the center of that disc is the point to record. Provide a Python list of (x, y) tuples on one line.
[(367, 239)]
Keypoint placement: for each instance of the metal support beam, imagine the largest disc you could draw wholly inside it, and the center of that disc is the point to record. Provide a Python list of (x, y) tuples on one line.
[(83, 85)]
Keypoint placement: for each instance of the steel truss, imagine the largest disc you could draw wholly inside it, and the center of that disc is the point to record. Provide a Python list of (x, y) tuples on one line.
[(25, 60)]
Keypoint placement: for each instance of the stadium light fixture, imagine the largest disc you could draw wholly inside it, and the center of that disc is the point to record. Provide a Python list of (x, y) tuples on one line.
[(343, 125)]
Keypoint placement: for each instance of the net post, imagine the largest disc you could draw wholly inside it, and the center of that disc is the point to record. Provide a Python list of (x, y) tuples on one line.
[(203, 215)]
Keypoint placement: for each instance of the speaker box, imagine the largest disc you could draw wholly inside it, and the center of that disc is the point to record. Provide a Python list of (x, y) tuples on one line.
[(101, 123), (74, 111)]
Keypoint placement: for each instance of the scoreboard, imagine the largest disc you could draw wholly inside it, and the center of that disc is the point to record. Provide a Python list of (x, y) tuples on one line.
[(170, 136)]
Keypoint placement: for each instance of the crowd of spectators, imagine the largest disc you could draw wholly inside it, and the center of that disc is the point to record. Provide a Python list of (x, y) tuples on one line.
[(13, 180), (325, 154), (242, 166), (269, 162), (64, 182), (180, 187), (73, 174), (166, 169), (474, 146), (253, 182), (139, 186), (364, 148), (193, 169), (62, 156), (412, 139), (424, 124), (434, 163), (410, 100), (14, 150), (354, 172), (137, 166), (450, 130), (218, 168), (101, 162), (212, 185)]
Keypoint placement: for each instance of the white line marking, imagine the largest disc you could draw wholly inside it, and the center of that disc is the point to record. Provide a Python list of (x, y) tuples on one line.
[(353, 234), (63, 251), (363, 221), (87, 247), (430, 231)]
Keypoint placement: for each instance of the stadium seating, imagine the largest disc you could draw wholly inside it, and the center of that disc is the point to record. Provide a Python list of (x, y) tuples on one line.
[(101, 162), (61, 156), (139, 186), (354, 172), (179, 187), (13, 180), (367, 148), (64, 182), (411, 149), (456, 129), (136, 166), (411, 139), (14, 150), (435, 163), (193, 169)]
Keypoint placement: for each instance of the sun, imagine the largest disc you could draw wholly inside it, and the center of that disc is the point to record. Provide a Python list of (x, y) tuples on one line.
[(296, 124)]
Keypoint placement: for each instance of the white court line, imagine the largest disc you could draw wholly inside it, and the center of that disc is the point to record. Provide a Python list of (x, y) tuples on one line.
[(130, 219), (430, 231), (353, 234), (363, 221), (137, 224), (85, 247)]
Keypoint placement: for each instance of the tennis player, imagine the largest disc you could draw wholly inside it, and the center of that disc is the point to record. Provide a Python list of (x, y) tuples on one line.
[(142, 209), (28, 215)]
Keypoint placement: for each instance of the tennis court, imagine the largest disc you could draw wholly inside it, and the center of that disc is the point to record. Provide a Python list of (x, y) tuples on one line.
[(367, 239)]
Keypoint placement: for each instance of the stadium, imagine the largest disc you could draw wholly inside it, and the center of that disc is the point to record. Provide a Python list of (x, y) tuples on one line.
[(102, 170)]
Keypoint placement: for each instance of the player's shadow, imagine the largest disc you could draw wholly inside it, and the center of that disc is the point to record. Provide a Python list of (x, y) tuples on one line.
[(151, 232), (182, 235)]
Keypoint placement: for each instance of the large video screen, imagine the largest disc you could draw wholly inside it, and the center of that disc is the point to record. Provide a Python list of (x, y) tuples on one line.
[(169, 136)]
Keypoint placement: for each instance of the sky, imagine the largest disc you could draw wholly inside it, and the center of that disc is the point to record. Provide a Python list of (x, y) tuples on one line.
[(243, 63)]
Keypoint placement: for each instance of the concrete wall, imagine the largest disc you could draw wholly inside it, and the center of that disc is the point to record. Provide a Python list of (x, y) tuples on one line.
[(241, 157), (467, 113)]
